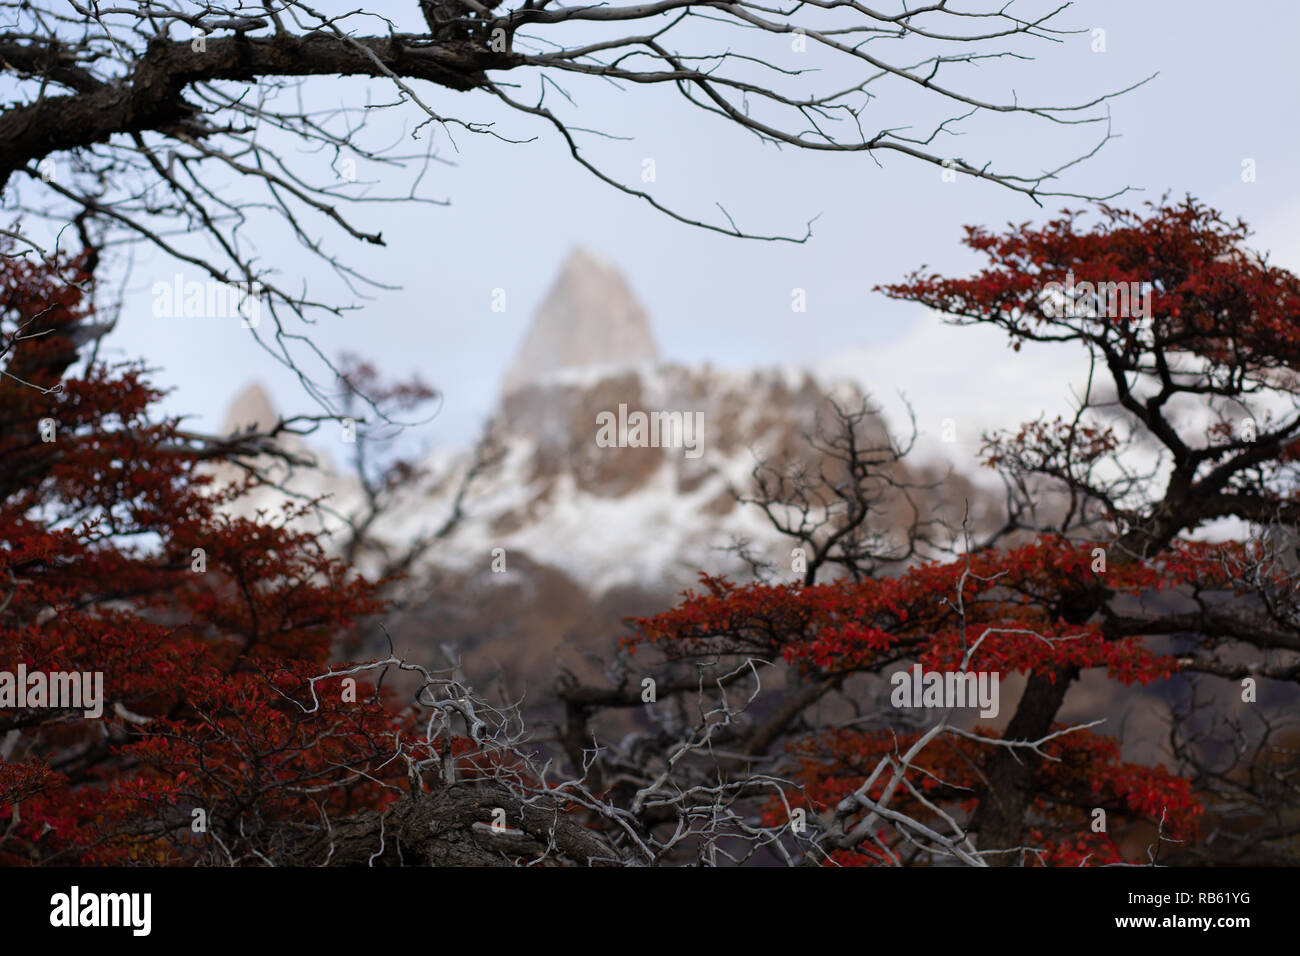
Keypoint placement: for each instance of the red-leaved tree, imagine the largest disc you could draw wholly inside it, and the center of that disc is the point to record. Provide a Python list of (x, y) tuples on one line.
[(1188, 422), (118, 564)]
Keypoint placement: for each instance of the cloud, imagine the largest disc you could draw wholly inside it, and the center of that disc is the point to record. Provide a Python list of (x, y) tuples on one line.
[(968, 378)]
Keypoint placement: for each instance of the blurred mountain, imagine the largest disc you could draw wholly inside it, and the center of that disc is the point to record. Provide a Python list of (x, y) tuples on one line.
[(250, 409), (565, 534), (588, 318)]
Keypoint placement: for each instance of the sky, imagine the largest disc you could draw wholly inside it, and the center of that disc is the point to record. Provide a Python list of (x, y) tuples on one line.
[(1226, 91)]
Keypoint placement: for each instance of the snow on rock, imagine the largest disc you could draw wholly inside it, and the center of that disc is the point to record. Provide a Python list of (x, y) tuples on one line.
[(609, 518)]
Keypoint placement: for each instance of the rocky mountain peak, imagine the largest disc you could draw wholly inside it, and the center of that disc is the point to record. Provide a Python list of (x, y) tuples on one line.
[(252, 407), (589, 317)]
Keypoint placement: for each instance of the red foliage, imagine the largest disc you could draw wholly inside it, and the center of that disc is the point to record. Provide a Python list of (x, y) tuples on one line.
[(1210, 298), (205, 654), (1085, 773), (1014, 600), (1019, 597), (1033, 609)]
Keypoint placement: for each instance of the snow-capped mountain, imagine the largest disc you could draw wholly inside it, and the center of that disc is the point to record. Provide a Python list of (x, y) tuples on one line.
[(612, 482)]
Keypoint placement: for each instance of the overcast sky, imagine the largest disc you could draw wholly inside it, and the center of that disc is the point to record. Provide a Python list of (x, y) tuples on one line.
[(1227, 90)]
